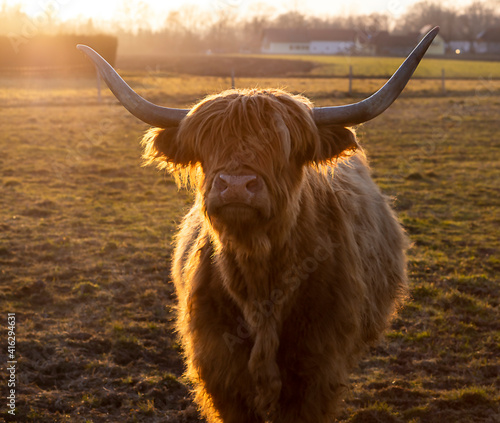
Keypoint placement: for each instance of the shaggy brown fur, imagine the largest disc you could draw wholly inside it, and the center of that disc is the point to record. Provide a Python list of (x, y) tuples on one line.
[(276, 308)]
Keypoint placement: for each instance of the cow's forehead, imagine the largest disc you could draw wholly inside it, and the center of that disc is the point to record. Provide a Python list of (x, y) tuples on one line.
[(263, 122), (260, 148), (250, 106)]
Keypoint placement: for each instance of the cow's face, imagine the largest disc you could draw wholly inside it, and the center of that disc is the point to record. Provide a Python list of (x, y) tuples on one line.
[(251, 147)]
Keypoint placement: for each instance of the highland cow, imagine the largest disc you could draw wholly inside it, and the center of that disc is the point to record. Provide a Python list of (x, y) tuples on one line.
[(290, 262)]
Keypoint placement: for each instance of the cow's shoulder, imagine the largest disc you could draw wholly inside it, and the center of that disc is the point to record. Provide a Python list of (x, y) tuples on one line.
[(189, 241)]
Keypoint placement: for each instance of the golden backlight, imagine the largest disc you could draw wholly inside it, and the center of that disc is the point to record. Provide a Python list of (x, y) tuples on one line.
[(155, 11)]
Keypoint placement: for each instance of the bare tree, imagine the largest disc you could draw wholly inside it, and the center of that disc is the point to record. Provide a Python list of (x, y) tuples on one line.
[(12, 19), (477, 17), (133, 15), (292, 19), (368, 26), (428, 12), (252, 30), (222, 34)]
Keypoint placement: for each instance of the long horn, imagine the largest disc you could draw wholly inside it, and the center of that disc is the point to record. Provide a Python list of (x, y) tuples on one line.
[(142, 109), (354, 114)]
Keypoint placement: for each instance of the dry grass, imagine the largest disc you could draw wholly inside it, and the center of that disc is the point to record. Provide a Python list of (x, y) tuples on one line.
[(86, 240)]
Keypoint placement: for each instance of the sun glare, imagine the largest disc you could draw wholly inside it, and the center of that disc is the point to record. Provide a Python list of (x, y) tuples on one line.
[(135, 14), (116, 11), (101, 10), (153, 10)]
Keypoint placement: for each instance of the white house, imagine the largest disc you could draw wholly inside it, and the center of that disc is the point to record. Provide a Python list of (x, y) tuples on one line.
[(285, 41), (312, 41), (335, 41), (345, 41)]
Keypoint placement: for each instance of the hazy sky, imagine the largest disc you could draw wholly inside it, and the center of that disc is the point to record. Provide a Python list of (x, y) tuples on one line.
[(107, 9)]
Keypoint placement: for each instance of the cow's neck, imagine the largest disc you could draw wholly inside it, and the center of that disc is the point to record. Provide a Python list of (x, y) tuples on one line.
[(261, 272), (249, 269), (263, 285), (245, 273)]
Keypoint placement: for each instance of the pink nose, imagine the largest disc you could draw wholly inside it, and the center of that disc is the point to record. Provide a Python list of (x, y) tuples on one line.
[(237, 188)]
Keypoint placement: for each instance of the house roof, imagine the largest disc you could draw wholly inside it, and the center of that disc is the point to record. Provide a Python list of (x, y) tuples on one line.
[(332, 34), (279, 35)]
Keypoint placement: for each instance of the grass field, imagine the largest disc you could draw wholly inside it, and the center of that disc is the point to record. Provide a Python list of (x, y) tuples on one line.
[(86, 237), (367, 66), (311, 66)]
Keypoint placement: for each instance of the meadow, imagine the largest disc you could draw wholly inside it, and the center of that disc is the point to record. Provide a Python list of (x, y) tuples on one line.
[(367, 66), (86, 238)]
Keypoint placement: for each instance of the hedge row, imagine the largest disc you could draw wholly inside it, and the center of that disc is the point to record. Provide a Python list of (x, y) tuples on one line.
[(54, 52)]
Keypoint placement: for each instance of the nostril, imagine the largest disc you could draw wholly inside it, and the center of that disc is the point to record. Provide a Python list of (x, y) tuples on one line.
[(253, 186), (220, 183)]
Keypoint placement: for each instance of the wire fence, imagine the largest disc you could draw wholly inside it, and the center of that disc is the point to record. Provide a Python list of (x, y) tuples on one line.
[(350, 85)]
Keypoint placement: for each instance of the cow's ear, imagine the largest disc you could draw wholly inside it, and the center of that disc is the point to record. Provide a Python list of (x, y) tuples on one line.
[(162, 145), (335, 141)]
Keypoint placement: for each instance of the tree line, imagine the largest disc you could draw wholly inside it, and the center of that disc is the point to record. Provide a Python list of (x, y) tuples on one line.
[(223, 30), (54, 53)]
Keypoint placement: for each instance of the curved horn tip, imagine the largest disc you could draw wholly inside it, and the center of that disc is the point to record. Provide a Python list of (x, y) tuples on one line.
[(432, 33), (83, 47), (434, 30)]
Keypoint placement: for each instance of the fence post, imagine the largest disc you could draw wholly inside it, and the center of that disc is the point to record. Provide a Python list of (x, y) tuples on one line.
[(350, 80), (443, 82), (233, 86), (98, 77)]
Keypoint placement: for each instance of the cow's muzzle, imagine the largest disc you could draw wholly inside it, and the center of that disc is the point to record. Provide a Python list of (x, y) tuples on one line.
[(237, 188), (238, 197)]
